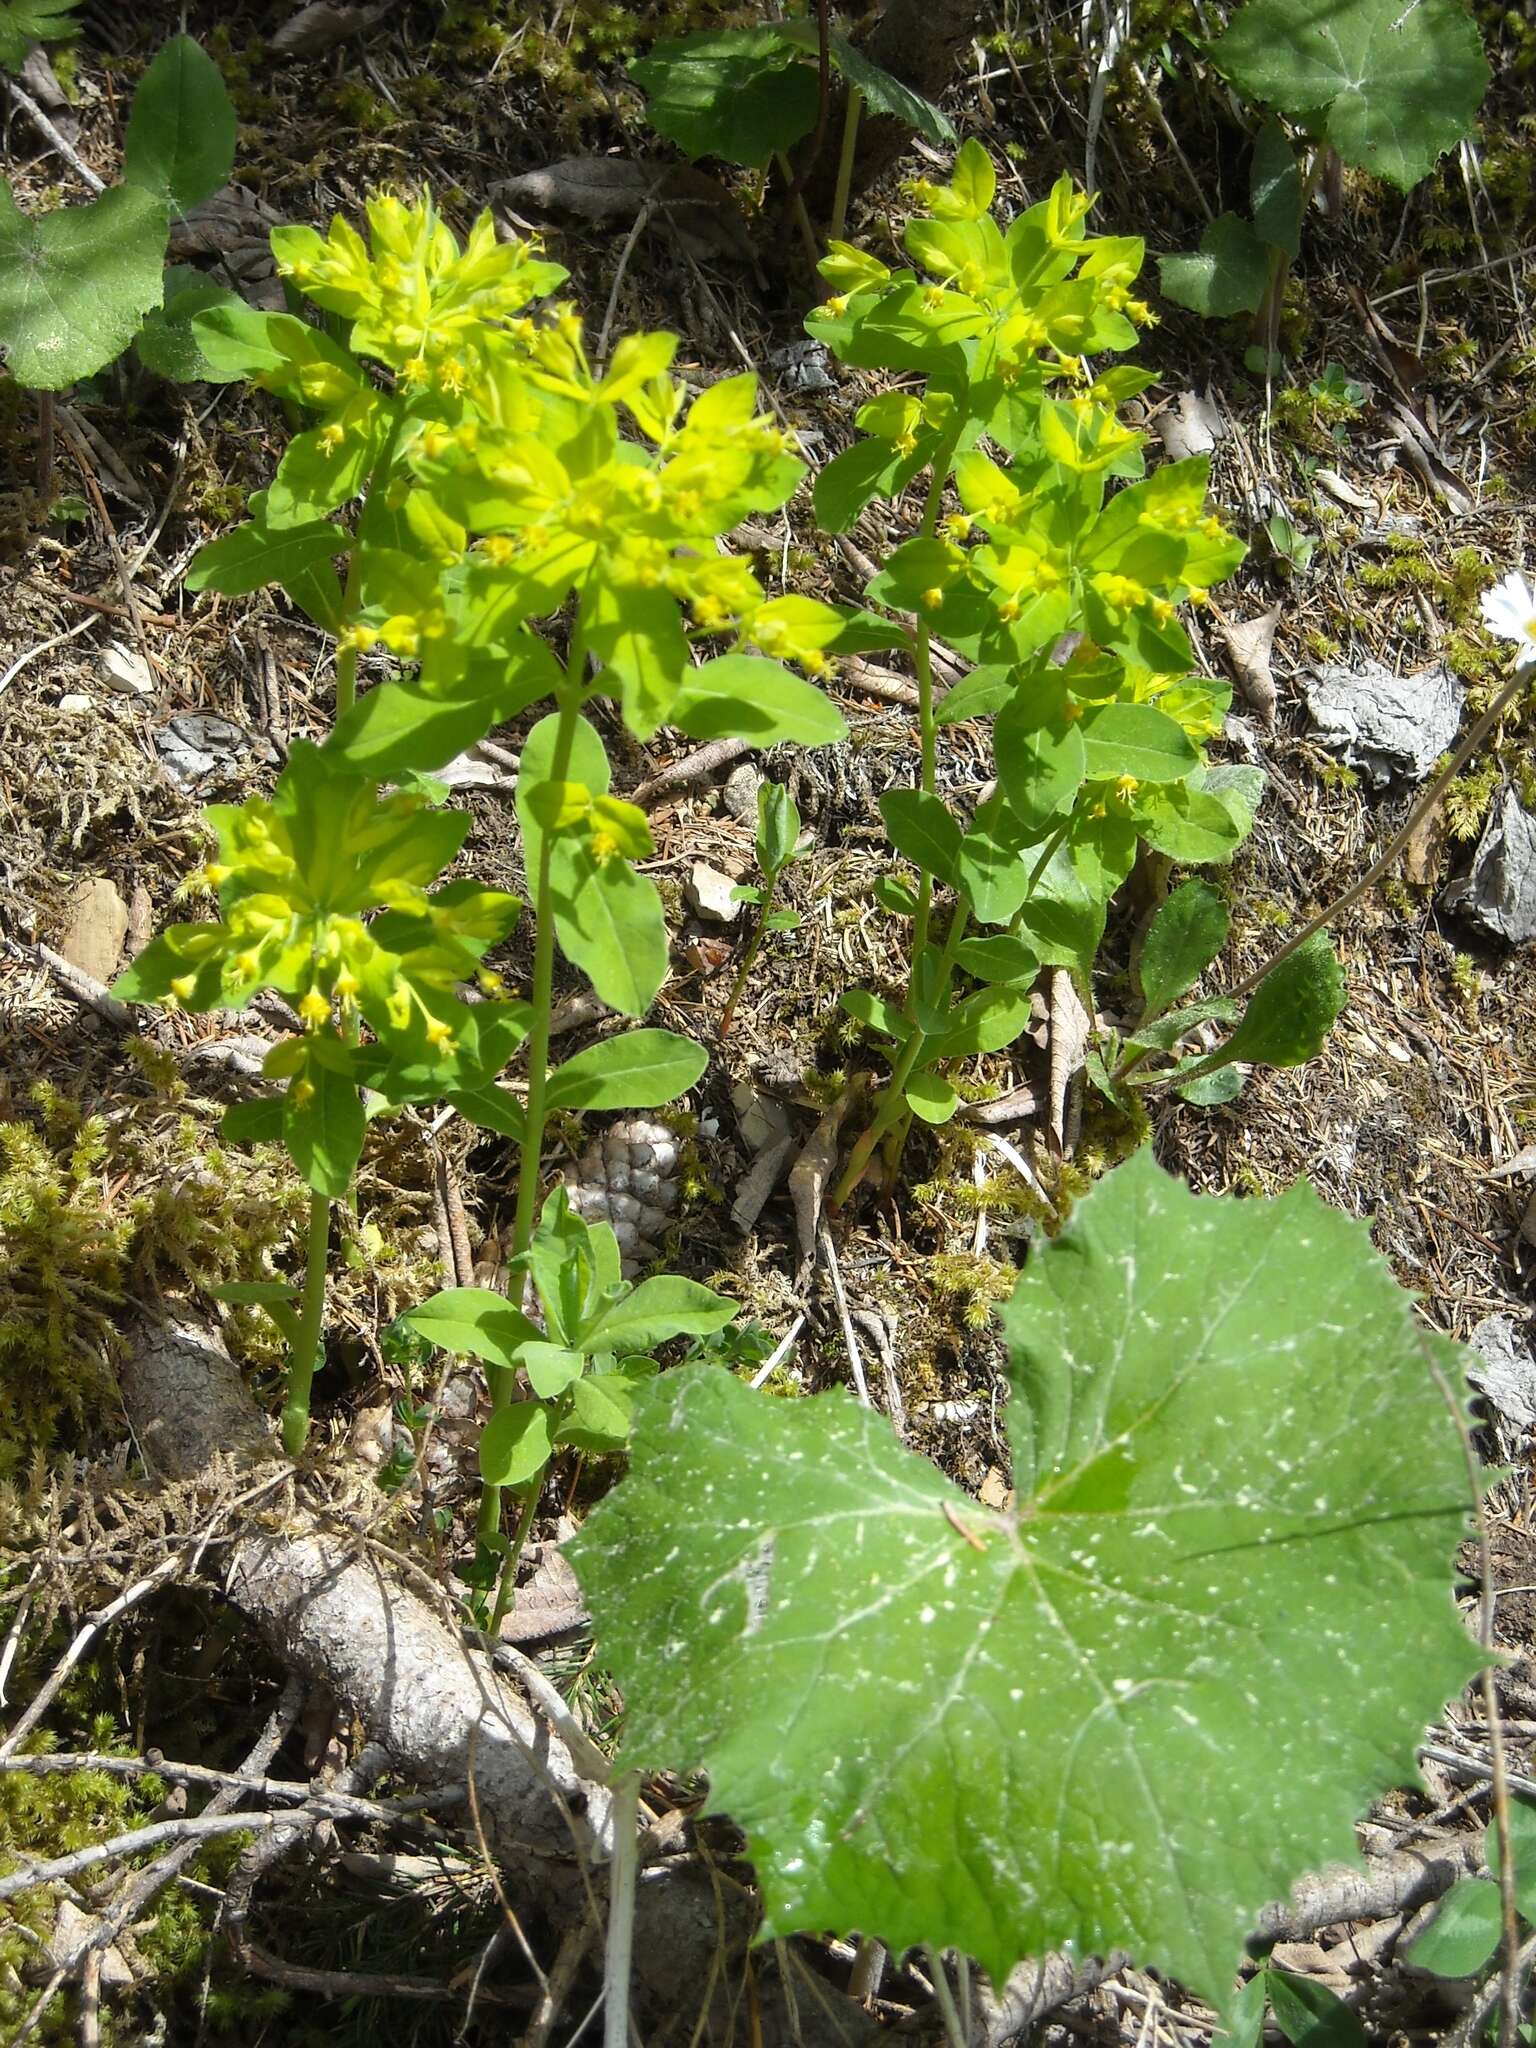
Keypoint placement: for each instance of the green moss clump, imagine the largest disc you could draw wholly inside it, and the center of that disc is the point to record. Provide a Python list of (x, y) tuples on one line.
[(98, 1209)]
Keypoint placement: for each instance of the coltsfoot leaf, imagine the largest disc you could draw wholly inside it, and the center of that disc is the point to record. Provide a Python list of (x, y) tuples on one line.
[(1125, 1714)]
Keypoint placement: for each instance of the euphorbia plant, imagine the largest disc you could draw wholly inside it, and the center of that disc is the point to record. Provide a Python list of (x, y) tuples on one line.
[(1063, 593), (502, 484)]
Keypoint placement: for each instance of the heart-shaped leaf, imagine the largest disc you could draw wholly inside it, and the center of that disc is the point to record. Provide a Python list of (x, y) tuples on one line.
[(1090, 1720)]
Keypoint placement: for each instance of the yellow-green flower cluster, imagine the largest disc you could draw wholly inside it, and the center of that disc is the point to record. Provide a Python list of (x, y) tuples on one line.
[(417, 301), (297, 876)]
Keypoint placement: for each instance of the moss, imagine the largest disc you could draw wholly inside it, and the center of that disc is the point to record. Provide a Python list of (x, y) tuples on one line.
[(1467, 799), (100, 1208), (974, 1285)]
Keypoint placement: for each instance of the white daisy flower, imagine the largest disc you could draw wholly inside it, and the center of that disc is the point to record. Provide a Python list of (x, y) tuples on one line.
[(1509, 612)]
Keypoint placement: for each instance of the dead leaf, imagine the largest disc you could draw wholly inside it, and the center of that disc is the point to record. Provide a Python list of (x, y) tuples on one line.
[(811, 1172), (1342, 491), (1071, 1027), (320, 26), (1249, 643), (1192, 425), (98, 924), (759, 1181), (1523, 1162), (611, 189)]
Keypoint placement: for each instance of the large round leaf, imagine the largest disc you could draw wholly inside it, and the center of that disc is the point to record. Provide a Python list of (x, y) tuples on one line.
[(1124, 1714)]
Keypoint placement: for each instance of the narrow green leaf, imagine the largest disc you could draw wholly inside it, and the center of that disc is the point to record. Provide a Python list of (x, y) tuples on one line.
[(638, 1070), (657, 1309), (1182, 940), (474, 1321), (1292, 1010), (982, 1023), (875, 1014), (884, 94), (324, 1130), (981, 694), (515, 1444), (180, 143), (397, 728), (1037, 1725), (492, 1109), (778, 827), (1310, 2015)]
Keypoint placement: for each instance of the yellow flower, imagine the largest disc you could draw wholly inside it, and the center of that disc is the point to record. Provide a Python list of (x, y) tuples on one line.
[(315, 1009)]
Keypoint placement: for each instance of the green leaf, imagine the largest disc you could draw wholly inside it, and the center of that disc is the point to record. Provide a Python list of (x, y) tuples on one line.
[(1522, 1831), (657, 1309), (639, 1070), (1041, 763), (884, 94), (1245, 2022), (474, 1321), (601, 1414), (778, 827), (608, 919), (1292, 1010), (493, 1109), (1001, 958), (252, 555), (551, 1368), (1139, 740), (920, 826), (739, 94), (259, 1122), (180, 143), (982, 1023), (1274, 189), (932, 1098), (515, 1444), (1063, 918), (748, 697), (638, 634), (75, 284), (1036, 1728), (1395, 86), (980, 694), (324, 1130), (1229, 274), (166, 343), (1209, 1091), (1182, 940), (1465, 1931), (25, 22), (875, 1013), (397, 728), (1310, 2015), (894, 896), (1188, 824)]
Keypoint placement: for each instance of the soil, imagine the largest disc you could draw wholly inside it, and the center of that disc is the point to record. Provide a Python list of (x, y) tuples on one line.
[(1426, 1086)]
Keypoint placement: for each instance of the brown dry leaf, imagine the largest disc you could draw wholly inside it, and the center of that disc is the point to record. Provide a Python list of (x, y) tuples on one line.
[(811, 1172), (1249, 643), (1426, 842), (98, 924), (611, 188), (1071, 1028), (549, 1604)]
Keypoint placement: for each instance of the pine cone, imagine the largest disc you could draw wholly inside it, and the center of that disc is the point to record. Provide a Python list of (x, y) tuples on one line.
[(628, 1177)]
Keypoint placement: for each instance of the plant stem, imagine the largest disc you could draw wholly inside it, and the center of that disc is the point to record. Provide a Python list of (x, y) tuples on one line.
[(922, 661), (750, 960), (954, 2032), (622, 1871), (306, 1343), (506, 1583), (346, 656), (568, 702), (797, 208), (845, 164), (889, 1103)]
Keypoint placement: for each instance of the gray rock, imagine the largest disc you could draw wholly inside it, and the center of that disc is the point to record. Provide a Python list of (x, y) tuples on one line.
[(1392, 728), (711, 894), (1499, 891)]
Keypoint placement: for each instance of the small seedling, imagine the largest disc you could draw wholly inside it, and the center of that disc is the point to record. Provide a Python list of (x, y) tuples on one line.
[(778, 828)]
